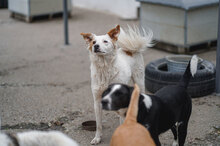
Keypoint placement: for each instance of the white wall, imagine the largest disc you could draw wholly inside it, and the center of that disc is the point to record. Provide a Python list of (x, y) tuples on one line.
[(126, 9)]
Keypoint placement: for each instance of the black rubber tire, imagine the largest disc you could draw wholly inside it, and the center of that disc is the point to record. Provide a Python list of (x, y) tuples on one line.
[(157, 76)]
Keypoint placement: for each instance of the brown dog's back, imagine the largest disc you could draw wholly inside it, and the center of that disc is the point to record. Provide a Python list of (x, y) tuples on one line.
[(131, 133)]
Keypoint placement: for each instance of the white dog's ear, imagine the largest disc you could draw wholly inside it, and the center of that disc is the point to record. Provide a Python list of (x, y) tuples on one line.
[(114, 33), (88, 37)]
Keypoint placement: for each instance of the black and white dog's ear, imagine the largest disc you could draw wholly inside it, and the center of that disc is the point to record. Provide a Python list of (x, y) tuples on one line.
[(130, 90), (106, 92)]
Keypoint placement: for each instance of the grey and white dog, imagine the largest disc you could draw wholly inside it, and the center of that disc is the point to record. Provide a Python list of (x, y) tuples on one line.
[(36, 138)]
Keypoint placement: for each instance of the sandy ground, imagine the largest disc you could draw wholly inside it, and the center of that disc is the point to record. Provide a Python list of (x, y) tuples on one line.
[(46, 85)]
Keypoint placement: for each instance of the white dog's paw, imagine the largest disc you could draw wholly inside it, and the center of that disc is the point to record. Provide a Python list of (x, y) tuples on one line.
[(175, 143), (96, 140)]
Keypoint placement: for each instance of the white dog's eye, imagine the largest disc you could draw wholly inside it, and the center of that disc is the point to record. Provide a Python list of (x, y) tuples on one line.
[(105, 41)]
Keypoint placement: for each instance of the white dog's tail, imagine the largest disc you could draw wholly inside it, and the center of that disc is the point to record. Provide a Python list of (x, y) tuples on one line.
[(134, 40)]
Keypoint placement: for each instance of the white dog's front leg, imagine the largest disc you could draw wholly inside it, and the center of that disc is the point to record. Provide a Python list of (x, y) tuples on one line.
[(138, 78), (122, 114), (98, 115), (121, 119)]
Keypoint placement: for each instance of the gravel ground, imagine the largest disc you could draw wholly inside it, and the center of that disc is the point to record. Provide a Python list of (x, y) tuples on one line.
[(45, 85)]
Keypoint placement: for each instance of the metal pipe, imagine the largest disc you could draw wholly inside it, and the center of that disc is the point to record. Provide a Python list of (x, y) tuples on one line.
[(218, 57), (185, 28), (65, 19)]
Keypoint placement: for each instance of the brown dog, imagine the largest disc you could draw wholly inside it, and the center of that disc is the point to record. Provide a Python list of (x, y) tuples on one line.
[(131, 133)]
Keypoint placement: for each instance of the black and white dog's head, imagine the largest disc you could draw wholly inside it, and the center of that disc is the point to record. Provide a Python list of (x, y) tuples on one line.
[(116, 96)]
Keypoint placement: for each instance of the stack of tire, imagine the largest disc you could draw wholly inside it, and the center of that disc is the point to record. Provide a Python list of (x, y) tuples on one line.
[(158, 76)]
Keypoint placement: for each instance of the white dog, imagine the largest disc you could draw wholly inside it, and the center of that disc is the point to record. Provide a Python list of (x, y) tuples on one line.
[(115, 59), (36, 138)]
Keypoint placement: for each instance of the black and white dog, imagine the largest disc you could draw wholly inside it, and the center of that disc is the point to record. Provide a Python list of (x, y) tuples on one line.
[(168, 108)]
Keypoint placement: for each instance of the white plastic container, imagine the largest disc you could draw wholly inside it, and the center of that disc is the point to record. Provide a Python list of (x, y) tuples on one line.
[(31, 8), (181, 23)]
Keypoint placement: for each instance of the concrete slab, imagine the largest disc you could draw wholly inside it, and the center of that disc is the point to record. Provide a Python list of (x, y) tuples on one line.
[(44, 81)]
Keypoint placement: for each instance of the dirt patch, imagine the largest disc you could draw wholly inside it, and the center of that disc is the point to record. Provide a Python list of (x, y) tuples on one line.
[(4, 73), (203, 101), (32, 85), (214, 135), (34, 126), (212, 138), (218, 105), (44, 126)]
